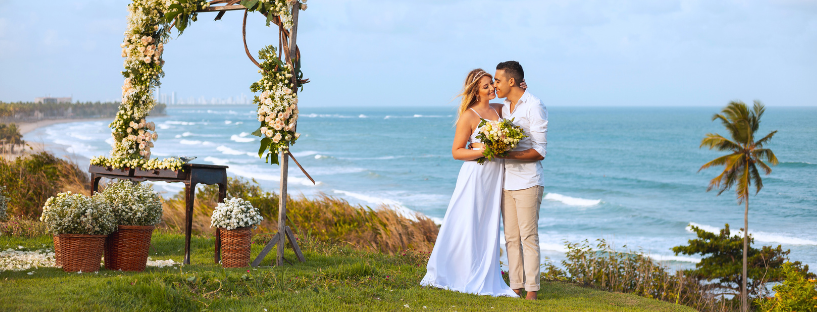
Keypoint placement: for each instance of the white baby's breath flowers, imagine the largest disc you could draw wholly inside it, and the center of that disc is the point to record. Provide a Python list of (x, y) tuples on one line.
[(161, 263), (69, 213), (132, 204), (172, 163), (22, 260), (235, 213)]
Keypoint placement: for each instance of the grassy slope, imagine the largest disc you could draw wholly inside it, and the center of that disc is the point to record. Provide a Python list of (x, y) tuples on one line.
[(333, 278)]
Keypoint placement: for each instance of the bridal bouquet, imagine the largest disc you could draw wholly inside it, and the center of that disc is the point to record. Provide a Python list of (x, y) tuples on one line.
[(498, 137)]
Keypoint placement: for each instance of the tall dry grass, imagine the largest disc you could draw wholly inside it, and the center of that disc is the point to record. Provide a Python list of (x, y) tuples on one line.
[(325, 218), (30, 180)]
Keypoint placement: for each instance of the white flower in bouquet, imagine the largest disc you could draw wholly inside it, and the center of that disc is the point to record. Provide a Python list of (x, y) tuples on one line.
[(132, 204), (69, 213), (235, 213)]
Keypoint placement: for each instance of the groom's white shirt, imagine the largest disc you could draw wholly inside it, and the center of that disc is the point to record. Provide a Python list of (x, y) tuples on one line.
[(531, 115)]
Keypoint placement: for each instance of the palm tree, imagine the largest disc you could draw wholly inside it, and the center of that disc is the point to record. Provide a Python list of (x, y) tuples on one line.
[(740, 167)]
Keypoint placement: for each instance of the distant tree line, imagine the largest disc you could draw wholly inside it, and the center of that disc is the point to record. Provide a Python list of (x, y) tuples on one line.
[(21, 111)]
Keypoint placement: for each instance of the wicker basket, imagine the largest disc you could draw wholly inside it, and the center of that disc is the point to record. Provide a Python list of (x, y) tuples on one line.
[(236, 247), (127, 248), (80, 252), (57, 260)]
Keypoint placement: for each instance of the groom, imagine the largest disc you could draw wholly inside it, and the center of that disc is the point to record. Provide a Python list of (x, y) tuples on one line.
[(523, 179)]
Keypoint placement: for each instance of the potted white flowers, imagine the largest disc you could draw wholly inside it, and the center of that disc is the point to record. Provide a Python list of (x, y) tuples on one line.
[(82, 224), (136, 209), (235, 218)]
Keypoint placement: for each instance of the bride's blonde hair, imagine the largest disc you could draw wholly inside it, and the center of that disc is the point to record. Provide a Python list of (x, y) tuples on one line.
[(469, 94)]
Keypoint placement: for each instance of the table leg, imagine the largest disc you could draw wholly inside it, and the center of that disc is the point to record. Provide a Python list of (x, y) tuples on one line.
[(223, 189), (95, 183), (190, 190)]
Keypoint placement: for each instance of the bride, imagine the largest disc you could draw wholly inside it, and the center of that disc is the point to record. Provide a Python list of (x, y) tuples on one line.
[(465, 257)]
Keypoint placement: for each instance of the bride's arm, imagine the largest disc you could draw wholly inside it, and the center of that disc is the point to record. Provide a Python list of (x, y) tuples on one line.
[(463, 133)]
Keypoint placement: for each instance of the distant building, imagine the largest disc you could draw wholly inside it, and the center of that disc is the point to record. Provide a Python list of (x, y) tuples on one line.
[(52, 100)]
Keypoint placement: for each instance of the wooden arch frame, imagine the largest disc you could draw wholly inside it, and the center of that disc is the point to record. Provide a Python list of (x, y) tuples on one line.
[(287, 43)]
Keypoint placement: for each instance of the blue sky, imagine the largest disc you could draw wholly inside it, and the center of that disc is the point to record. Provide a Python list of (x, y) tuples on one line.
[(416, 53)]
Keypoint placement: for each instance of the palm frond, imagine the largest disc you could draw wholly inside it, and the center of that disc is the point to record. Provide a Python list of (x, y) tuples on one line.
[(765, 140), (765, 154), (742, 188), (759, 109), (729, 179), (728, 176), (717, 141), (738, 114), (765, 167), (728, 123), (720, 161), (756, 178)]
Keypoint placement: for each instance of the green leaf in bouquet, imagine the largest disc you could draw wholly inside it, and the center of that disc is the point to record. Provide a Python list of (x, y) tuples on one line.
[(252, 5), (274, 158), (258, 132), (264, 145)]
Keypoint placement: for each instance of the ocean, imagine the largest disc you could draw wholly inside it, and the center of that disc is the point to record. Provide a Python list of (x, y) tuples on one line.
[(625, 174)]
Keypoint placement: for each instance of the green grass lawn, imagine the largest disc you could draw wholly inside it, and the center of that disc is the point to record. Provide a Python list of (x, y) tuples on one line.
[(334, 278)]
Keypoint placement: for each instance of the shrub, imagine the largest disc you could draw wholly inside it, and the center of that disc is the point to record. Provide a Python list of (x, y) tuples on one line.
[(721, 264), (796, 293), (32, 179), (132, 203), (69, 213), (635, 273), (20, 227), (235, 213)]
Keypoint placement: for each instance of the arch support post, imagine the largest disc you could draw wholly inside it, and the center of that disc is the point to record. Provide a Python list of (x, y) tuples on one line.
[(284, 233)]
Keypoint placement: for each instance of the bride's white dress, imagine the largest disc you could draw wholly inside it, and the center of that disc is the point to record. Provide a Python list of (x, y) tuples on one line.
[(465, 257)]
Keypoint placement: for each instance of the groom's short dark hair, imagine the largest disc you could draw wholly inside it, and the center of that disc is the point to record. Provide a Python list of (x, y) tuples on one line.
[(513, 70)]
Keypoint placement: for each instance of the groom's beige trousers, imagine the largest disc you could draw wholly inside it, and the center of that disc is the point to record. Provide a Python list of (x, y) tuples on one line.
[(520, 211)]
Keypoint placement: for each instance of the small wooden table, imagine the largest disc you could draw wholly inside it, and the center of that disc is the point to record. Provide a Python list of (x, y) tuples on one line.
[(191, 175)]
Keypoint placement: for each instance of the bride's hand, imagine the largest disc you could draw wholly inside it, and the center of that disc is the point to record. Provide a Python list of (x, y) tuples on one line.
[(523, 85)]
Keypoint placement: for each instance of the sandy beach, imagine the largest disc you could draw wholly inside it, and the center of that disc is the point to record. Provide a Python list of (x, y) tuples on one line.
[(26, 127), (35, 146)]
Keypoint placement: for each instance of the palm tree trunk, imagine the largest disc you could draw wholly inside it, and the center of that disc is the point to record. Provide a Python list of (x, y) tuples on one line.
[(744, 298)]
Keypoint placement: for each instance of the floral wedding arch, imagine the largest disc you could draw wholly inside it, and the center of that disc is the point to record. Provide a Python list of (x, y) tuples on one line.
[(149, 26)]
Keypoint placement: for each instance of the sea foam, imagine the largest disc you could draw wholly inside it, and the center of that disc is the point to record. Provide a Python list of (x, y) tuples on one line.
[(391, 204), (572, 201), (229, 151), (253, 172), (240, 139), (758, 236)]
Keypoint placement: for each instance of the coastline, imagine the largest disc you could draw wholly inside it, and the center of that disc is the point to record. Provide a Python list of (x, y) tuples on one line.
[(26, 127)]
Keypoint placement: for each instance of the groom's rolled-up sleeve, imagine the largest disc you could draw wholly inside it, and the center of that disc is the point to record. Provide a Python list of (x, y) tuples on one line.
[(538, 128)]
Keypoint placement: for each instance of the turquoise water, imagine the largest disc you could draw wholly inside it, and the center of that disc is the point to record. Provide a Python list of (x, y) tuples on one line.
[(629, 175)]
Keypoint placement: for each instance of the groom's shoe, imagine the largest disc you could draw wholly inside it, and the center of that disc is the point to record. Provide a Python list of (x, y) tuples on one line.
[(517, 292), (532, 295)]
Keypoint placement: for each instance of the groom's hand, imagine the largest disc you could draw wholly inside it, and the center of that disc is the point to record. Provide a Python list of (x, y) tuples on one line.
[(526, 155)]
